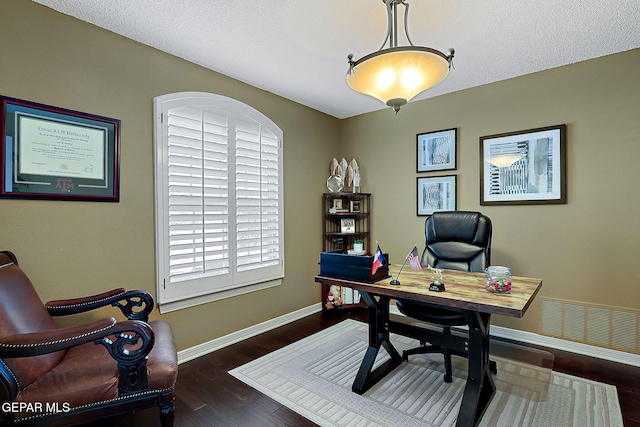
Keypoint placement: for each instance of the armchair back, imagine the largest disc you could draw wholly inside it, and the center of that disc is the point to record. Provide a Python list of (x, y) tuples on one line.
[(22, 312)]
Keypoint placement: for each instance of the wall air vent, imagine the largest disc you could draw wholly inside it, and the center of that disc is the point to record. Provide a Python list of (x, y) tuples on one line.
[(600, 325)]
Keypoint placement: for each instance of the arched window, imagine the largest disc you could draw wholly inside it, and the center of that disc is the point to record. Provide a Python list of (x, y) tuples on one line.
[(219, 199)]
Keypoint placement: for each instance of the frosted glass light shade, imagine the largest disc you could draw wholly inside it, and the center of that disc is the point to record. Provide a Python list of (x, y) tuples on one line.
[(396, 75)]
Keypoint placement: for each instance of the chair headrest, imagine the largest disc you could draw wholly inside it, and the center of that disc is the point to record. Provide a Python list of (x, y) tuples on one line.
[(460, 226)]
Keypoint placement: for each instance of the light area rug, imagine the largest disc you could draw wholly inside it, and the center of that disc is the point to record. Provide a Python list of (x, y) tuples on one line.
[(313, 377)]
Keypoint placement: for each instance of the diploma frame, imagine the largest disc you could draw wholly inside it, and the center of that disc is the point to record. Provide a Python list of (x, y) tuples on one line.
[(53, 153)]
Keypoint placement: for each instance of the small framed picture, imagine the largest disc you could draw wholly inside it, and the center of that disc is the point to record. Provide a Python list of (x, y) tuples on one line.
[(436, 194), (347, 225), (524, 168), (337, 203), (354, 206), (436, 151)]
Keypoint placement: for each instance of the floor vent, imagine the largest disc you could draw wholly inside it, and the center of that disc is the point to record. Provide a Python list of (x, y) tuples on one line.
[(605, 326)]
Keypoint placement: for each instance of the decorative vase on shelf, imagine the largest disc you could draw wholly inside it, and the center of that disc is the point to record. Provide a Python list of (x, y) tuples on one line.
[(335, 183)]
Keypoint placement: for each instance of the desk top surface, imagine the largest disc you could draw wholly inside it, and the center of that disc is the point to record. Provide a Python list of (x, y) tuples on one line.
[(462, 290)]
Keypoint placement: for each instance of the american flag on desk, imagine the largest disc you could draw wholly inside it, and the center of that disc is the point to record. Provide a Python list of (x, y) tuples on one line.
[(414, 260)]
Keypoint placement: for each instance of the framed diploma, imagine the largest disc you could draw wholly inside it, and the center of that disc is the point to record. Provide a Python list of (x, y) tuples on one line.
[(51, 153)]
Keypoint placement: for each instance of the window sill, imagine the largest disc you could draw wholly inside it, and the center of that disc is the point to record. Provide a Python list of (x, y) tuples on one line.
[(170, 306)]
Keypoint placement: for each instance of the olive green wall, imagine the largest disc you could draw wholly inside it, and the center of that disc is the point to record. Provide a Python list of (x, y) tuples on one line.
[(78, 248), (585, 250)]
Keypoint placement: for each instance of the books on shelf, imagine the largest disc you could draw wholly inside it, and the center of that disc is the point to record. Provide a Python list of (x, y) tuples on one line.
[(347, 295), (350, 296), (338, 210)]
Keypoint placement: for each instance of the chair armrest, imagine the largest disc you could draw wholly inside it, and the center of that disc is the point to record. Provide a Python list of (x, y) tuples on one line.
[(37, 343), (119, 338), (115, 297), (132, 364)]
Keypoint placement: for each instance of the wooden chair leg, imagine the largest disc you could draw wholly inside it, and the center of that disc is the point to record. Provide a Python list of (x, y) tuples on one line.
[(167, 410)]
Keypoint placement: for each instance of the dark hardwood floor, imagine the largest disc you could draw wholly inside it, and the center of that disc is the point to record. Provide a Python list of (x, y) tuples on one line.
[(207, 396)]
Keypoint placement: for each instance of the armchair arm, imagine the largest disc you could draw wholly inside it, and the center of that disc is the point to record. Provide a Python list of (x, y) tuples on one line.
[(37, 343), (132, 299), (132, 364), (118, 338)]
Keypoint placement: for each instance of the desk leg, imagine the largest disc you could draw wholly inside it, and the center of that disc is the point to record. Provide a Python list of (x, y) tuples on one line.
[(480, 387), (378, 336)]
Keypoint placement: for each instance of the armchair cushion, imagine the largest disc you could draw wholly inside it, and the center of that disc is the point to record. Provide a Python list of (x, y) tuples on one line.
[(88, 375)]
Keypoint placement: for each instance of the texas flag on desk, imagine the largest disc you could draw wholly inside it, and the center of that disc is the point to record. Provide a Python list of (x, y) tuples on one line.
[(378, 260)]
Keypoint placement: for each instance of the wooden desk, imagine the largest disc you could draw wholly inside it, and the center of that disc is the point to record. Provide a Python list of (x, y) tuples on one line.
[(465, 291)]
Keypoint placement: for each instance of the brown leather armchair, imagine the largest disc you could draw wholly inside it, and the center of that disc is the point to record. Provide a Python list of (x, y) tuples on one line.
[(63, 376)]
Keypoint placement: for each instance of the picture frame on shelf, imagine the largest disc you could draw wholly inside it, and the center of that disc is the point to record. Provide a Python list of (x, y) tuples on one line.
[(524, 167), (337, 203), (436, 151), (52, 153), (337, 244), (347, 225), (436, 194), (354, 206)]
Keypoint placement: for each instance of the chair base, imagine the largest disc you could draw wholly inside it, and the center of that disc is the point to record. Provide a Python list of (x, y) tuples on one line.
[(447, 353)]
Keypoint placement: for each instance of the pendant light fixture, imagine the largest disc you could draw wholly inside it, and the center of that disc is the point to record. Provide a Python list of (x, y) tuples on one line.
[(398, 73)]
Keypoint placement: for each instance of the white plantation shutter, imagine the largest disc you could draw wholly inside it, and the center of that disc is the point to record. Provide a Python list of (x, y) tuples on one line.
[(219, 223)]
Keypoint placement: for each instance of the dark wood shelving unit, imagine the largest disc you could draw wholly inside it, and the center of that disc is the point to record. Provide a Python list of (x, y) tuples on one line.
[(356, 212)]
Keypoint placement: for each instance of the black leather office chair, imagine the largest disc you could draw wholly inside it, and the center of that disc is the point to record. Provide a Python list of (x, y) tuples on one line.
[(456, 241)]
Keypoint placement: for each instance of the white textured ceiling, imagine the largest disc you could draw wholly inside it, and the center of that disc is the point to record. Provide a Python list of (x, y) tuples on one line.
[(298, 49)]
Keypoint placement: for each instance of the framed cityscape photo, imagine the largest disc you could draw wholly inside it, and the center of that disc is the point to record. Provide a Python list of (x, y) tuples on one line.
[(523, 168), (436, 151), (435, 194), (52, 153)]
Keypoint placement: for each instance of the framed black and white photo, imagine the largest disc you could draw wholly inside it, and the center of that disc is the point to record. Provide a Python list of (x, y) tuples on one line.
[(436, 151), (354, 206), (524, 167), (347, 225), (436, 194)]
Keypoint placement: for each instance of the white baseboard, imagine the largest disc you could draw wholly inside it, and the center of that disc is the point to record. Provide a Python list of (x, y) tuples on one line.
[(570, 346), (558, 344), (218, 343), (497, 331)]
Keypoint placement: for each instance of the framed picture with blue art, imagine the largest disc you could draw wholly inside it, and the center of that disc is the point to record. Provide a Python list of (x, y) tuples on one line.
[(436, 151), (524, 167), (436, 194)]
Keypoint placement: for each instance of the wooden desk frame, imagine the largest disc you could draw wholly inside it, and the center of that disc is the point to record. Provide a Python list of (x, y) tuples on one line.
[(476, 307)]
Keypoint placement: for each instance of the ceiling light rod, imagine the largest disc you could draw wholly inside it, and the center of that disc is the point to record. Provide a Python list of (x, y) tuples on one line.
[(393, 29), (397, 74)]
